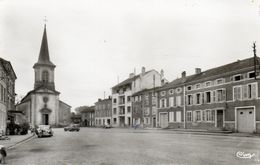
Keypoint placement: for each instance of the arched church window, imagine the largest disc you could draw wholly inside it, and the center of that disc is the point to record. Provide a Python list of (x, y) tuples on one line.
[(45, 76)]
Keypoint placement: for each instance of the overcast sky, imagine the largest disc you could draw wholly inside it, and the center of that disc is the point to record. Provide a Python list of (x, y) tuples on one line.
[(93, 41)]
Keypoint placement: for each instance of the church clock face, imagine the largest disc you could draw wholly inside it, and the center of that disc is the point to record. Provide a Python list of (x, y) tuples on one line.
[(45, 99)]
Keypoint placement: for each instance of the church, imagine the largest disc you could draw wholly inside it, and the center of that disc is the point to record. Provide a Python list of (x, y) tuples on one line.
[(41, 105)]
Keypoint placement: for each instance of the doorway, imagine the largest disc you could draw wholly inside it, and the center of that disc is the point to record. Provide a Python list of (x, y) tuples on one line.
[(220, 118), (154, 122), (45, 119)]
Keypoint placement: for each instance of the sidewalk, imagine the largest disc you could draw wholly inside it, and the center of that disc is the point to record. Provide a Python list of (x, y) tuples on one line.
[(207, 132), (15, 140)]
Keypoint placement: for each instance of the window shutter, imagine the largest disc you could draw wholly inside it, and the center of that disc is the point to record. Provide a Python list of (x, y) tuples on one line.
[(194, 115), (214, 96), (202, 98), (253, 88), (194, 99), (245, 91), (211, 97), (223, 95), (186, 100)]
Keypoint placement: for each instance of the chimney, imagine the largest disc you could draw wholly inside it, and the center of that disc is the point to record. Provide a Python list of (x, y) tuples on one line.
[(143, 70), (183, 74), (162, 73), (131, 75), (197, 70)]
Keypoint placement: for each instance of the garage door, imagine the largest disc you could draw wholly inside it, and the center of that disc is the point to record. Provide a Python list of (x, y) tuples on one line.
[(245, 120), (163, 120)]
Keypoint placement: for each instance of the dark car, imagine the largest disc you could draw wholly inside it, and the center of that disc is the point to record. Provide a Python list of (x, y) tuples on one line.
[(44, 130), (72, 127)]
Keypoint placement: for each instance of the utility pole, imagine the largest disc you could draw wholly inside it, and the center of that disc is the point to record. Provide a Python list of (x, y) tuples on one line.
[(255, 62)]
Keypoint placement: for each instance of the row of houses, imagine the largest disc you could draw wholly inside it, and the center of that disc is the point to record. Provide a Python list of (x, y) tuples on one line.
[(221, 98)]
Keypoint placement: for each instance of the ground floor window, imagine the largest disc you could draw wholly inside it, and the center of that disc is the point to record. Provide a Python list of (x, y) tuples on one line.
[(197, 115), (171, 116), (146, 120), (189, 117), (114, 120), (178, 116)]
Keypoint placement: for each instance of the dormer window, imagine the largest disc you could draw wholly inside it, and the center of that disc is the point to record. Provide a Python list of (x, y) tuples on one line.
[(163, 93), (207, 84), (171, 91), (188, 88), (45, 76), (251, 75)]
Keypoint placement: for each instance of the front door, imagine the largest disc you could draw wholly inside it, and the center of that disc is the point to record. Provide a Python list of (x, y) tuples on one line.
[(154, 122), (163, 120), (219, 118), (45, 118)]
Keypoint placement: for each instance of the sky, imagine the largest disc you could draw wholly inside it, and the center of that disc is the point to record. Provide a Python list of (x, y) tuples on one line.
[(93, 42)]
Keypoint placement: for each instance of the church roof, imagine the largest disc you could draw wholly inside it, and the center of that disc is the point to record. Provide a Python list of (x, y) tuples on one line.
[(44, 58)]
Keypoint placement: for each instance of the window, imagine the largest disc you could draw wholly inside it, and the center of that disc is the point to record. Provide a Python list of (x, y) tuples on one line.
[(251, 75), (197, 115), (146, 120), (208, 83), (128, 109), (114, 100), (171, 91), (198, 98), (128, 98), (219, 81), (178, 90), (146, 100), (178, 100), (237, 78), (252, 91), (237, 93), (171, 101), (154, 110), (189, 117), (45, 76), (154, 100), (189, 100), (188, 88), (163, 103), (147, 111), (163, 93), (114, 111), (171, 116), (220, 95), (208, 97), (208, 115), (197, 86), (178, 116)]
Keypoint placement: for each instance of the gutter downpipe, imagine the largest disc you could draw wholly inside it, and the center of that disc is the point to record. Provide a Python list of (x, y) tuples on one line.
[(184, 107)]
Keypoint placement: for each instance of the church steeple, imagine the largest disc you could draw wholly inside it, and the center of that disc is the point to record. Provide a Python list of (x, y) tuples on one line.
[(44, 58), (44, 68)]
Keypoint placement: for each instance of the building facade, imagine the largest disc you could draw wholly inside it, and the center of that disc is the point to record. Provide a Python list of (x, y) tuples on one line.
[(122, 95), (225, 97), (42, 104), (7, 94), (88, 116), (145, 108), (103, 112)]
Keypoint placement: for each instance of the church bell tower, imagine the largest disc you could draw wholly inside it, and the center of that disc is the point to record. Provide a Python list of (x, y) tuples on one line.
[(44, 68)]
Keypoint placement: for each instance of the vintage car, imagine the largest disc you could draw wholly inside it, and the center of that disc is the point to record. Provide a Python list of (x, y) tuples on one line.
[(107, 126), (44, 130), (72, 127)]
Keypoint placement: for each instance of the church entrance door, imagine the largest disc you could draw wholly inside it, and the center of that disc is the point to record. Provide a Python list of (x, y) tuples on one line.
[(45, 118)]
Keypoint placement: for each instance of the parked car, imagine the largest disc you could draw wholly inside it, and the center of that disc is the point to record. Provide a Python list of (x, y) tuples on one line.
[(44, 130), (107, 126), (72, 127)]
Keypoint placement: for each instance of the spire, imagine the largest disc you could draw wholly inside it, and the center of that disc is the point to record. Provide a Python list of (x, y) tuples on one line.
[(44, 57)]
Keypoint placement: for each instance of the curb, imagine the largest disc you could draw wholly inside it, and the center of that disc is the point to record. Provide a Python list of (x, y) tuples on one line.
[(20, 142)]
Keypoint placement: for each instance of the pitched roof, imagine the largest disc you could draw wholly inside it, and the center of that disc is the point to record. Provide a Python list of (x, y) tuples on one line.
[(231, 67), (44, 58), (8, 67), (130, 80)]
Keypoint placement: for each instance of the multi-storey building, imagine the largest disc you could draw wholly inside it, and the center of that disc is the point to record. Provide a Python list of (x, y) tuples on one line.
[(88, 116), (145, 108), (225, 97), (122, 93), (103, 111), (7, 93)]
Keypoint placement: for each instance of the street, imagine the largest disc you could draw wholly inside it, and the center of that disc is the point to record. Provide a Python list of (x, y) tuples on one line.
[(129, 146)]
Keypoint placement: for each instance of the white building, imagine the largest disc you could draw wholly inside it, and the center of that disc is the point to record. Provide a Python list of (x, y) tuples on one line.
[(42, 105), (122, 93)]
